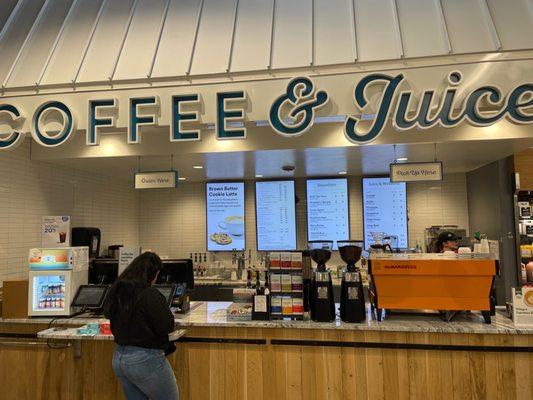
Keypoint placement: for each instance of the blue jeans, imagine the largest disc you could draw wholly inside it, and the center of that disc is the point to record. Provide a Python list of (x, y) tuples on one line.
[(144, 373)]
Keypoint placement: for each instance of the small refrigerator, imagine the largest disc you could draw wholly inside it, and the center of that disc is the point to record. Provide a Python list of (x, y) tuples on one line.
[(55, 276)]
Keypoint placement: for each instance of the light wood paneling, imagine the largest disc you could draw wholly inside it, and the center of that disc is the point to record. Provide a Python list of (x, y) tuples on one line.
[(523, 164), (232, 371)]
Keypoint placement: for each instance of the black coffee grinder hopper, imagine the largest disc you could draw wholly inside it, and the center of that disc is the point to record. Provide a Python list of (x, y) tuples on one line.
[(352, 307), (322, 302)]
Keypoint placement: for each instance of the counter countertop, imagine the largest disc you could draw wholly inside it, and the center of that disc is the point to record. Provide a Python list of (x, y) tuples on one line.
[(213, 314), (72, 334)]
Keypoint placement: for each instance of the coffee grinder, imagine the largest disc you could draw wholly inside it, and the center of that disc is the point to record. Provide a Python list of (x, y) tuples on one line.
[(322, 302), (352, 307)]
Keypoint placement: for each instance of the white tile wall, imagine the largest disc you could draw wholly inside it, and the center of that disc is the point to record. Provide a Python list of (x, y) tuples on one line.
[(172, 222), (29, 190)]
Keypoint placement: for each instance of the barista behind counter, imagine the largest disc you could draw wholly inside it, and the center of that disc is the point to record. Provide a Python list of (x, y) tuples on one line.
[(447, 241)]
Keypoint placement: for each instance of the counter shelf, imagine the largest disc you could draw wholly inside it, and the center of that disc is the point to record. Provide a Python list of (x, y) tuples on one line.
[(284, 294), (72, 334)]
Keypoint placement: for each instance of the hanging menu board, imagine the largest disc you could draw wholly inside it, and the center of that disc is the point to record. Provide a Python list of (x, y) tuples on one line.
[(384, 210), (225, 216), (327, 210), (275, 215)]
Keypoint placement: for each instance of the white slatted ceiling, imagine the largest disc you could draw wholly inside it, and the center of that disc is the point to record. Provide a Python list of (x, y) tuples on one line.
[(177, 39), (34, 54), (377, 32), (291, 45), (214, 37), (15, 33), (251, 46), (514, 22), (334, 43), (468, 26), (421, 27), (105, 45), (143, 34), (171, 38), (68, 54), (6, 8)]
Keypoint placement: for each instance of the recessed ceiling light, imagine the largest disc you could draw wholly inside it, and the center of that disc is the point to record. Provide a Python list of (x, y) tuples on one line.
[(259, 176), (198, 167), (181, 178), (342, 172), (402, 159)]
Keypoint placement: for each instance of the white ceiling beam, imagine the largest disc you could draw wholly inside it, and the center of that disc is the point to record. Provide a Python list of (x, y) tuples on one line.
[(161, 27), (354, 27), (444, 26), (271, 52), (11, 18), (89, 40), (66, 21), (195, 40), (312, 62), (492, 27), (235, 14), (124, 36), (397, 27), (42, 11)]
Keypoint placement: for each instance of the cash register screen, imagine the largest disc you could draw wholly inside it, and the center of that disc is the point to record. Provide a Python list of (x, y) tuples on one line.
[(167, 291), (90, 296)]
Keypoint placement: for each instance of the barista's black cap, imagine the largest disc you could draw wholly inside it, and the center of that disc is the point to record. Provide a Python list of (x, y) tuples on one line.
[(447, 236)]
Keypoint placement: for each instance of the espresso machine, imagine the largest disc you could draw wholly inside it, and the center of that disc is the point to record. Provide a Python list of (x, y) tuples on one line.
[(322, 302), (352, 307)]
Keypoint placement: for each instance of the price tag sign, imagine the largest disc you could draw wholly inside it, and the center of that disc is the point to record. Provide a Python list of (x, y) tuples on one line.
[(55, 231), (125, 257)]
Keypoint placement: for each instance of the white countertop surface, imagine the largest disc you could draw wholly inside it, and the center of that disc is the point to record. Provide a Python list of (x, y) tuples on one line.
[(72, 334), (213, 314)]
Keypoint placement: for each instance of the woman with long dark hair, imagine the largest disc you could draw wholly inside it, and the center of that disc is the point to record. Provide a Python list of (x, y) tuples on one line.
[(141, 321)]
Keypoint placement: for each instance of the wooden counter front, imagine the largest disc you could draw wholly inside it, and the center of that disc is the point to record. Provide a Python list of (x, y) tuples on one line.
[(285, 364)]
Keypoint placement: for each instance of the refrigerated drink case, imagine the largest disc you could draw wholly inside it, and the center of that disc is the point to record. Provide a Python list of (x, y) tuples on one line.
[(54, 278), (51, 292)]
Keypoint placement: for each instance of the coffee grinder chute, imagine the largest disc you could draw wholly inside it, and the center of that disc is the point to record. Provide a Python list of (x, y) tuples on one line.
[(322, 302), (352, 307)]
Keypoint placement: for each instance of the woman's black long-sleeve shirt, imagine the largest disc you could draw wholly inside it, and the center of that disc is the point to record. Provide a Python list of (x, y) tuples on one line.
[(148, 326)]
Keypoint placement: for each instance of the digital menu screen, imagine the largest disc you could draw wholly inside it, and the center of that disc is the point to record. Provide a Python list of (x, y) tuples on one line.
[(275, 215), (384, 211), (225, 216), (327, 210)]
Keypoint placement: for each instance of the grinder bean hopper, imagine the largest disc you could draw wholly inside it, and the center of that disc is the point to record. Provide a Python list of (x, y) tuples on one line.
[(322, 302), (352, 307)]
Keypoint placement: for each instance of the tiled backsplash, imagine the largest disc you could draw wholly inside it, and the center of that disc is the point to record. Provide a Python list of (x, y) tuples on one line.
[(172, 222), (168, 221), (29, 190)]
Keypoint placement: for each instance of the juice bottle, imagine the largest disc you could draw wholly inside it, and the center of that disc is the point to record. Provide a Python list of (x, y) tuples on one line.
[(529, 271)]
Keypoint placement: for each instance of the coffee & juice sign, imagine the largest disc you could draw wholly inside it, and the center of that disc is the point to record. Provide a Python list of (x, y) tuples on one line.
[(291, 113)]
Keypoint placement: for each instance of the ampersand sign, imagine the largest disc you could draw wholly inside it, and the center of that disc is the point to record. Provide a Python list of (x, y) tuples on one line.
[(298, 104)]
